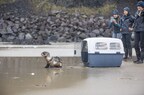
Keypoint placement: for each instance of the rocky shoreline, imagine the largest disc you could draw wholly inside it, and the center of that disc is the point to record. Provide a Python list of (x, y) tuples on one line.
[(58, 26)]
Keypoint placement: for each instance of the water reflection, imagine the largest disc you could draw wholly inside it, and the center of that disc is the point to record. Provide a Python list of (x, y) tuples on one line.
[(25, 74)]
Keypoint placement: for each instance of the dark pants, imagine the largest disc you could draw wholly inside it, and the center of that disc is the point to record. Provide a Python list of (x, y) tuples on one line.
[(139, 45), (126, 39)]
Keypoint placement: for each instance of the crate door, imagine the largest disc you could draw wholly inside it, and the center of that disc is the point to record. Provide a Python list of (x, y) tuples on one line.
[(84, 52)]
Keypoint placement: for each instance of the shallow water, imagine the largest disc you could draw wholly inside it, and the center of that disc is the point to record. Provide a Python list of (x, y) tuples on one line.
[(27, 76)]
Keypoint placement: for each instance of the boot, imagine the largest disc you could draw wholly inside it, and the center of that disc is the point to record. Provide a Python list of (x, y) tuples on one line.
[(142, 56), (138, 54), (138, 61)]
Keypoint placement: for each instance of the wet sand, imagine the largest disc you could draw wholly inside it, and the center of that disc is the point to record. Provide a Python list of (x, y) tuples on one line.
[(27, 76)]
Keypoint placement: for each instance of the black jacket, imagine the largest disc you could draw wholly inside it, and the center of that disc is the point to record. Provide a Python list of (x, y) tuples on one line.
[(126, 22), (139, 22)]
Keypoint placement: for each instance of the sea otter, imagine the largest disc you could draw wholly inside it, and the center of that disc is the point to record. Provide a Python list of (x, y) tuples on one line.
[(52, 62)]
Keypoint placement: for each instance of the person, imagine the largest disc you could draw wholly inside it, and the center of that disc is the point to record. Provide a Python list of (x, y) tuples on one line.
[(126, 23), (139, 32), (114, 23)]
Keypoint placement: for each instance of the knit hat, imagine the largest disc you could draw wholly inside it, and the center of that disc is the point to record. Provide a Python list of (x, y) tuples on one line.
[(115, 12), (127, 9), (141, 4)]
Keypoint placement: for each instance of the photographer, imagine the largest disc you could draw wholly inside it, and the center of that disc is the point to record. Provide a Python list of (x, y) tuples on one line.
[(114, 23)]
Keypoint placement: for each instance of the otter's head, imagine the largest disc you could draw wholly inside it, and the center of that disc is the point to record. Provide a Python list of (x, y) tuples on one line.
[(45, 54)]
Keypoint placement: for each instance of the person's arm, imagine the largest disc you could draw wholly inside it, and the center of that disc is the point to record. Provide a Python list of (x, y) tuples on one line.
[(117, 24), (110, 24), (131, 20), (142, 14), (121, 21)]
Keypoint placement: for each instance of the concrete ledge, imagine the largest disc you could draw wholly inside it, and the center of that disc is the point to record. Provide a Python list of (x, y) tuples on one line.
[(6, 43), (57, 49)]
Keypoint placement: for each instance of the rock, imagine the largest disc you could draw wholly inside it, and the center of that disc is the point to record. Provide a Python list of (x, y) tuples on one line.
[(47, 42), (83, 36), (96, 31), (0, 35), (61, 39), (101, 30), (9, 30), (15, 30), (108, 31), (10, 38), (0, 39), (107, 34), (21, 36), (53, 38), (84, 16), (23, 27), (17, 26), (92, 34), (28, 36), (10, 24), (101, 18), (58, 15), (17, 41), (22, 19), (54, 12), (57, 26), (1, 21)]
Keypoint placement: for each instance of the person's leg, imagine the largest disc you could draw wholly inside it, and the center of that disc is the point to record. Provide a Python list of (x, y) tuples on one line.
[(129, 46), (119, 35), (142, 44), (136, 46), (113, 35), (125, 45)]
